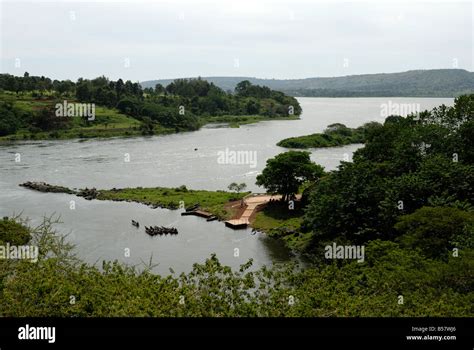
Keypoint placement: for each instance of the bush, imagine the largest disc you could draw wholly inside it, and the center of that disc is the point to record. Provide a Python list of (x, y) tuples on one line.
[(432, 229), (13, 232)]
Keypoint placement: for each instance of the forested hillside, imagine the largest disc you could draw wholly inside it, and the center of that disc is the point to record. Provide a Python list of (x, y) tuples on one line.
[(28, 106), (414, 83)]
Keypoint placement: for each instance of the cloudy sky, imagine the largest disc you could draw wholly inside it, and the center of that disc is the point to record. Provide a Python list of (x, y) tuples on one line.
[(266, 39)]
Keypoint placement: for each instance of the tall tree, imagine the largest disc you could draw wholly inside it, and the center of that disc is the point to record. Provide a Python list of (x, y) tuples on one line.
[(285, 173)]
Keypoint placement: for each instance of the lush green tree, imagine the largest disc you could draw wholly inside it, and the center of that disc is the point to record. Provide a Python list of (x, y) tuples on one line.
[(46, 120), (346, 204), (13, 232), (199, 98), (242, 87), (147, 127), (285, 173), (405, 164), (433, 229), (10, 118), (159, 89), (83, 90)]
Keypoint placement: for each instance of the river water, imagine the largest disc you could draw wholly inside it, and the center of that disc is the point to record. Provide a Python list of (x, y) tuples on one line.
[(101, 230)]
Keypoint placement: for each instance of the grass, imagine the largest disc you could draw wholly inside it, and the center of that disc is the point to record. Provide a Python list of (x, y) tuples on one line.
[(278, 221), (173, 198), (108, 121)]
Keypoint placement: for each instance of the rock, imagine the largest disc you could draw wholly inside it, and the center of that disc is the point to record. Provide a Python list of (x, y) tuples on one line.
[(192, 208), (88, 194), (44, 187)]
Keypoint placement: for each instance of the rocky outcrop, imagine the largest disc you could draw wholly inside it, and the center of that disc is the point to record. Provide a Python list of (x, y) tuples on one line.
[(88, 194), (44, 187)]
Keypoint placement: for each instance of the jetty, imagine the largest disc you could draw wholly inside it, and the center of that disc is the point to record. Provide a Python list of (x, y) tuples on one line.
[(252, 203), (200, 213)]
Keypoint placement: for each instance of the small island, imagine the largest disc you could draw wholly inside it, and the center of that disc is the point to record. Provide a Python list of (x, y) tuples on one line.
[(336, 134)]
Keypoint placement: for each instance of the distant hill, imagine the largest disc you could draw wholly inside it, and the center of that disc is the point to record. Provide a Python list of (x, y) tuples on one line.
[(416, 83)]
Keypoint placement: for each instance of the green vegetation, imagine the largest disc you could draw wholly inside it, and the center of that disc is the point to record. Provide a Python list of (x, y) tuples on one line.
[(237, 187), (407, 164), (13, 232), (407, 198), (30, 104), (211, 201), (44, 289), (277, 221), (436, 231), (335, 135), (414, 83), (33, 123), (285, 173)]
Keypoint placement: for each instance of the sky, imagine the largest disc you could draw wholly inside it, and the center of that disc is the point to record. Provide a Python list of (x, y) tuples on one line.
[(281, 39)]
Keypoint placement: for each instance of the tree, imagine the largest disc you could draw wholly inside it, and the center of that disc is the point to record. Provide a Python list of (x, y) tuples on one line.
[(242, 87), (10, 118), (46, 120), (347, 203), (119, 88), (147, 127), (159, 89), (84, 91), (253, 107), (433, 229), (237, 187), (285, 173)]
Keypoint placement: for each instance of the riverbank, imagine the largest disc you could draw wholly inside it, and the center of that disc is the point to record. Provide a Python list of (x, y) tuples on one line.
[(214, 202), (271, 217), (280, 223), (111, 123), (218, 203), (33, 118), (238, 120)]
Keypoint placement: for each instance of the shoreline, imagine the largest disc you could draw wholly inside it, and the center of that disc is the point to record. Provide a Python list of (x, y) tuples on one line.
[(84, 134), (223, 206)]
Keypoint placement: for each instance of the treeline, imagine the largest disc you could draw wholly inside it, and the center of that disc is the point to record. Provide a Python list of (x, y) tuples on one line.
[(336, 134), (408, 200), (412, 184), (415, 83), (182, 105)]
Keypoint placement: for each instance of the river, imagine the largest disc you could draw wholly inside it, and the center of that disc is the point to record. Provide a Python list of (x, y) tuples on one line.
[(101, 230)]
